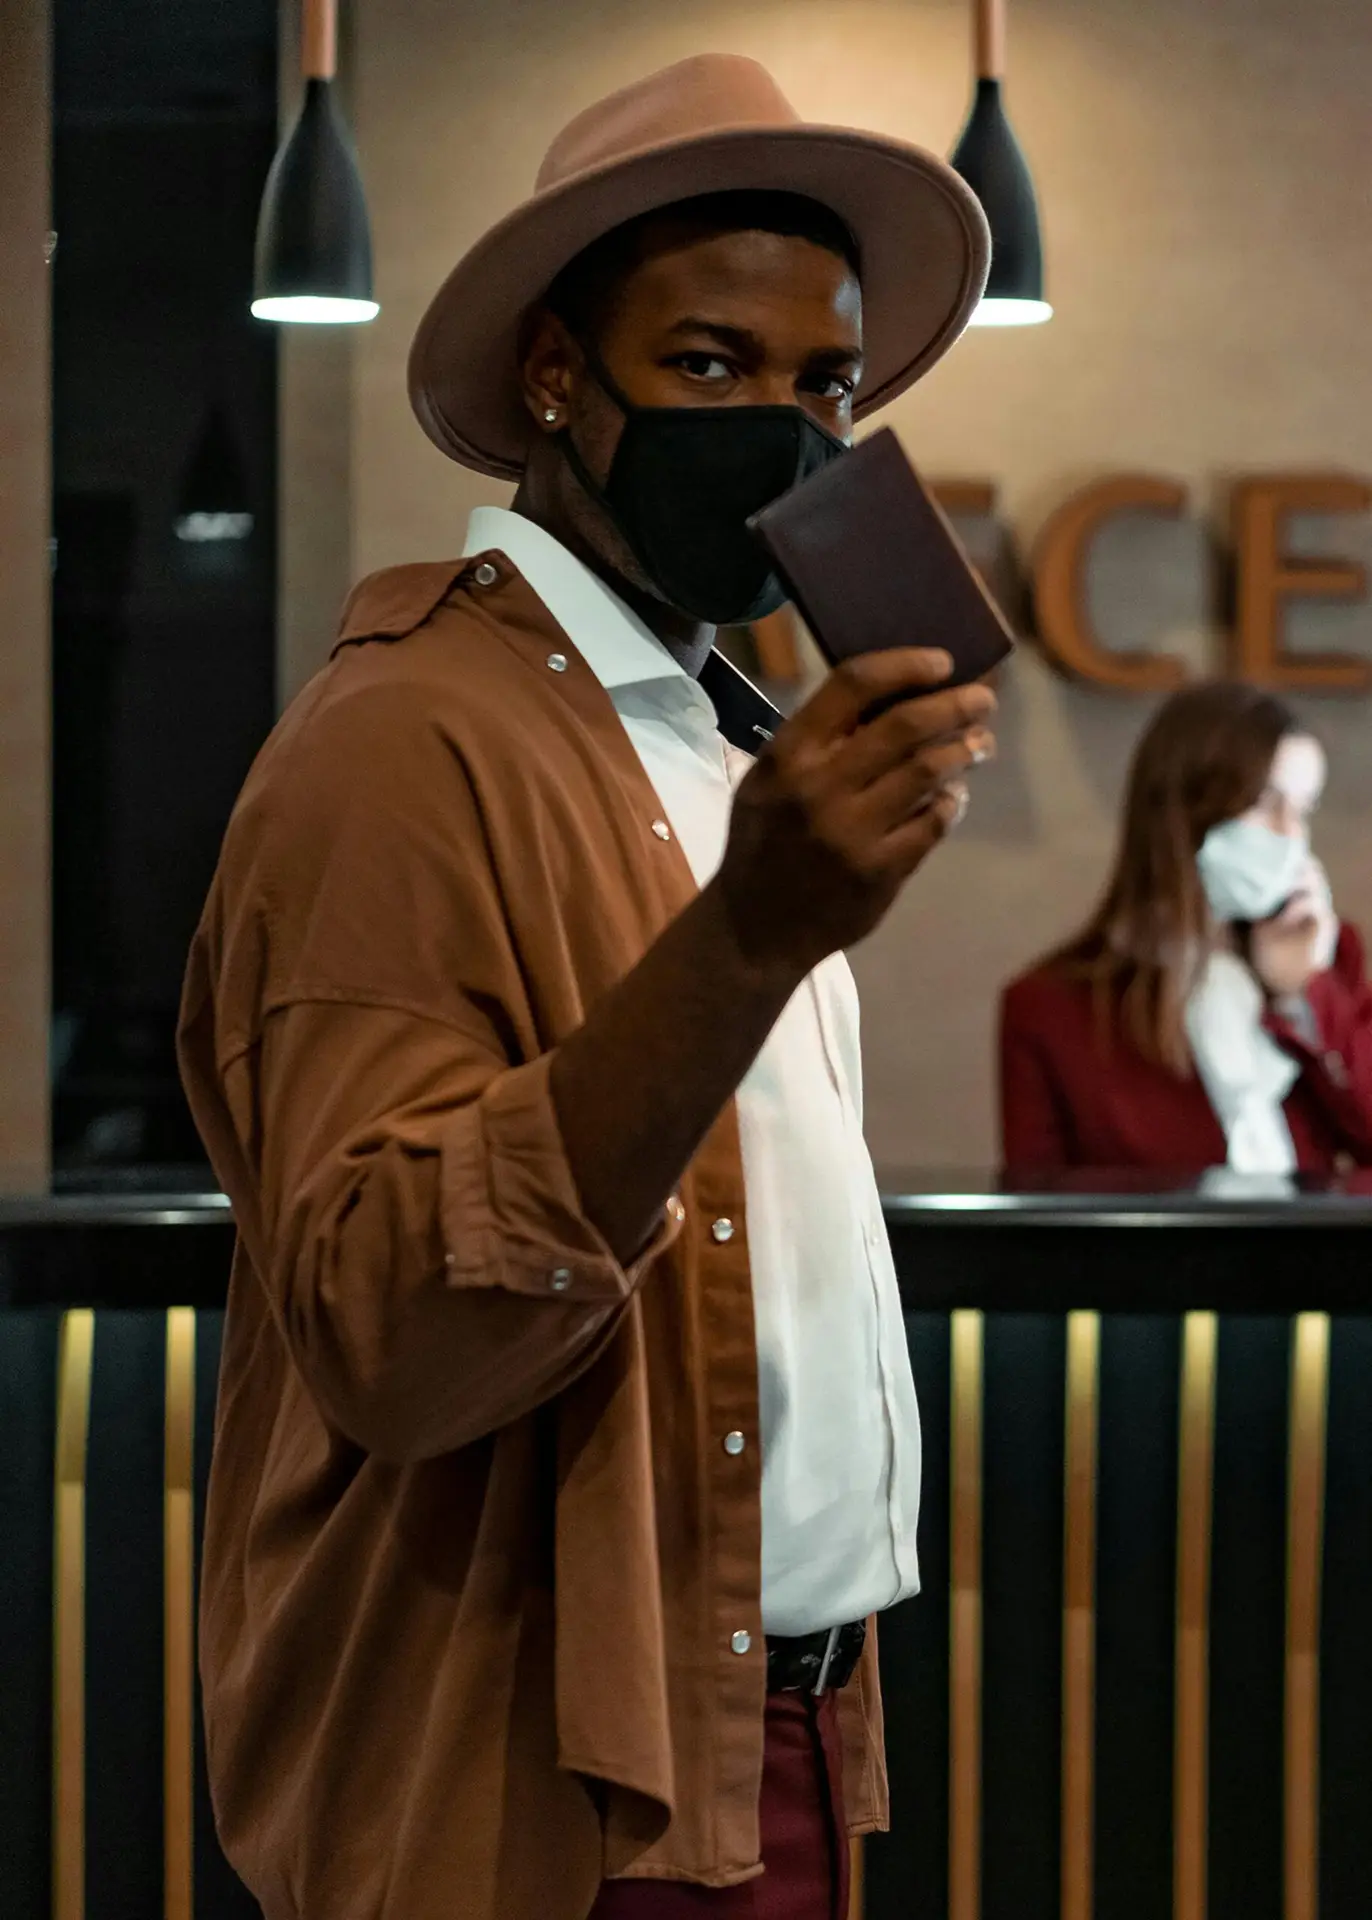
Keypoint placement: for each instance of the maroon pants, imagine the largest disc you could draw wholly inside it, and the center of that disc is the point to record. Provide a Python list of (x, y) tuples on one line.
[(804, 1842)]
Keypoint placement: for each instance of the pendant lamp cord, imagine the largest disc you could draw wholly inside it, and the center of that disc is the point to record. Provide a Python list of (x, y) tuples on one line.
[(988, 17), (319, 39)]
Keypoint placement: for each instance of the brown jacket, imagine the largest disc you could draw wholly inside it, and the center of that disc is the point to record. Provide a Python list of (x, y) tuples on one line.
[(474, 1554)]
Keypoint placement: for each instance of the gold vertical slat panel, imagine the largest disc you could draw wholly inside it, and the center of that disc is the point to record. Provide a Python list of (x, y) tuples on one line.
[(856, 1863), (1304, 1554), (75, 1355), (1079, 1615), (178, 1604), (1195, 1499), (964, 1742)]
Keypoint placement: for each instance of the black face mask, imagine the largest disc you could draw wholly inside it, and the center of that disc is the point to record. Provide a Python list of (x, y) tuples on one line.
[(682, 485)]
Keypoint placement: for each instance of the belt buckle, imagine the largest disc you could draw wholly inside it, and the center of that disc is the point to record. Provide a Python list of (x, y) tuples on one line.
[(830, 1649)]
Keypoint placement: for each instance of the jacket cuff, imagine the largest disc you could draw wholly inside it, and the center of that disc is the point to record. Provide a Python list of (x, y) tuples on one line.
[(511, 1214)]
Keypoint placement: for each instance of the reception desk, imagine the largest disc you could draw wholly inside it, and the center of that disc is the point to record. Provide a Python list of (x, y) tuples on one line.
[(1138, 1681)]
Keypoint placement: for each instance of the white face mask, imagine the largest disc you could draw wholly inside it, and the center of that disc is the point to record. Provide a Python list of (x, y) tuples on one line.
[(1247, 870)]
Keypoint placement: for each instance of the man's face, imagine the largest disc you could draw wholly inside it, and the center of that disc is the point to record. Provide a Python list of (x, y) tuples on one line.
[(703, 319)]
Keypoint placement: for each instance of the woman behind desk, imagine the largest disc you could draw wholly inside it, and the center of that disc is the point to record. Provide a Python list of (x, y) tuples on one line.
[(1213, 1010)]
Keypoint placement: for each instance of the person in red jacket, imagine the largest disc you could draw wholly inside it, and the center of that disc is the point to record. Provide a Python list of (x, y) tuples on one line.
[(1213, 1010)]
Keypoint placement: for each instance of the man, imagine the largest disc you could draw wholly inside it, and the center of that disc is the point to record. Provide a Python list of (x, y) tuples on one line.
[(566, 1429)]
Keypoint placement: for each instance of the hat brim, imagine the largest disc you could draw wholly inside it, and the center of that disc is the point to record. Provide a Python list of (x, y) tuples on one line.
[(922, 236)]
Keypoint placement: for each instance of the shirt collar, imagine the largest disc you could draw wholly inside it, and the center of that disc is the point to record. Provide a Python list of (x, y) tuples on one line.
[(616, 645)]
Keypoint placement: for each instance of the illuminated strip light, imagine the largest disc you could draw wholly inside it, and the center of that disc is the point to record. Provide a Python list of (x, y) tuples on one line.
[(1079, 1615), (178, 1611), (1304, 1555), (76, 1352), (1195, 1503), (965, 1636)]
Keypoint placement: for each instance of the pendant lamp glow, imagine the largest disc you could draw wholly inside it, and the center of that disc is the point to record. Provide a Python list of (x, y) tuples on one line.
[(314, 247), (989, 159), (215, 503)]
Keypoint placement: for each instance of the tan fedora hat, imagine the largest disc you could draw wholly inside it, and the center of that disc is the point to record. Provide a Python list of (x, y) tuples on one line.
[(706, 125)]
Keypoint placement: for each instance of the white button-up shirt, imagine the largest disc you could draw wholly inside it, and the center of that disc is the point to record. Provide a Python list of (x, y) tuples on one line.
[(839, 1423)]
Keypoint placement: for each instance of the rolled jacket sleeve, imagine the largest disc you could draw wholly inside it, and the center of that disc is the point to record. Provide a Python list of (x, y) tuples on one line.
[(425, 1247), (511, 1216), (374, 1087)]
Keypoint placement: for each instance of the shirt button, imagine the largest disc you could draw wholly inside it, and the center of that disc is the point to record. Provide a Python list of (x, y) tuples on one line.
[(561, 1279), (486, 575), (662, 830), (723, 1230), (734, 1442), (741, 1641), (557, 662)]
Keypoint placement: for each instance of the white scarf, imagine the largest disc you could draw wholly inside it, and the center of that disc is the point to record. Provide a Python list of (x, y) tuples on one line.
[(1243, 1070)]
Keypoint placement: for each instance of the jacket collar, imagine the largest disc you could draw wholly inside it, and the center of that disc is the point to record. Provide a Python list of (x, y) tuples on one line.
[(615, 643)]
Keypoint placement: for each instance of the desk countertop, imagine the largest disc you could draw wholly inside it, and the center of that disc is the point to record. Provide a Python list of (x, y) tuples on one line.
[(947, 1198), (960, 1240)]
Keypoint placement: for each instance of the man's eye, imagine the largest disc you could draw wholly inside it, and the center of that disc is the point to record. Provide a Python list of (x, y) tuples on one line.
[(703, 366), (835, 387)]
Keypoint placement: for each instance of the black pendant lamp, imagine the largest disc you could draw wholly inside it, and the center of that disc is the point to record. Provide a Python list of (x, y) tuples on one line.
[(215, 503), (989, 159), (314, 246)]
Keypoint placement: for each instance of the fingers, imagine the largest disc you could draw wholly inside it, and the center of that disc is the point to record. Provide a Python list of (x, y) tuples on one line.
[(951, 804), (862, 683), (1299, 909), (879, 792), (912, 783), (914, 839), (910, 729)]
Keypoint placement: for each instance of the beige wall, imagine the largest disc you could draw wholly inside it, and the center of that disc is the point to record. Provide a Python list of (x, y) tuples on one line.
[(1203, 172), (24, 573), (315, 438)]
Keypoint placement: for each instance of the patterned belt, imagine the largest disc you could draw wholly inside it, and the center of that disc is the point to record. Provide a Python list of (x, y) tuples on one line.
[(814, 1662)]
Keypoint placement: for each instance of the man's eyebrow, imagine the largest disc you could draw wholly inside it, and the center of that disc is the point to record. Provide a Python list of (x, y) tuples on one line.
[(746, 345), (835, 357), (737, 340)]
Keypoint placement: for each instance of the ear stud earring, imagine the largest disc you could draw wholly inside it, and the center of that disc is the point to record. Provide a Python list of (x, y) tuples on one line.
[(550, 415)]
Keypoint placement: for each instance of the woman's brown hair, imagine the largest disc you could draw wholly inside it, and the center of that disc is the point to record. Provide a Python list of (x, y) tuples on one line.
[(1204, 758)]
